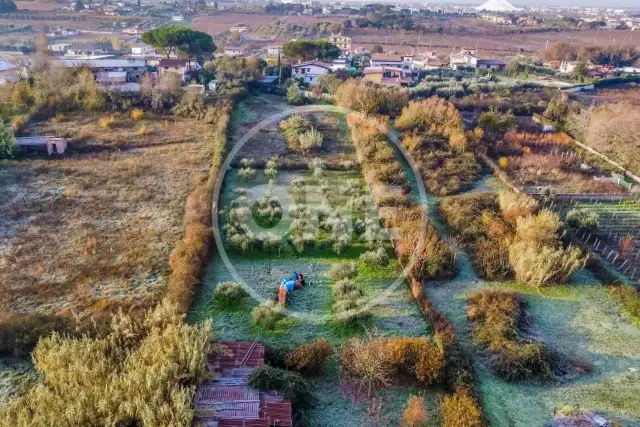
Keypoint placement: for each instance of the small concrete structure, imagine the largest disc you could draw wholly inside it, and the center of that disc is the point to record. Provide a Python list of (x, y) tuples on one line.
[(52, 144)]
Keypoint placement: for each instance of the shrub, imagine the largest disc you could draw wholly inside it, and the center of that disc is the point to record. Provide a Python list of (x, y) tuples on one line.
[(137, 114), (461, 410), (540, 229), (19, 124), (496, 316), (415, 414), (436, 116), (375, 257), (343, 271), (107, 122), (294, 97), (145, 365), (514, 205), (366, 362), (583, 220), (310, 140), (266, 315), (291, 384), (8, 147), (229, 293), (542, 266), (417, 357), (144, 130), (309, 358), (362, 96), (503, 162)]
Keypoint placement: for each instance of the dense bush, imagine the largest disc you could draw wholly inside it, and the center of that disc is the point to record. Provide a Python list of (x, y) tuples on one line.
[(143, 372), (365, 97), (8, 147), (496, 316), (291, 384), (583, 220), (537, 255), (309, 358), (266, 315), (415, 414), (461, 410), (514, 205), (343, 271), (375, 257), (373, 362), (300, 134), (229, 293)]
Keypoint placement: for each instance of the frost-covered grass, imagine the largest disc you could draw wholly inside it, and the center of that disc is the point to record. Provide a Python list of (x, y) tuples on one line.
[(397, 314), (581, 320)]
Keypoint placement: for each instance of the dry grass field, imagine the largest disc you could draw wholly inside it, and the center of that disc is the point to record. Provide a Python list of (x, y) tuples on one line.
[(94, 229), (223, 21), (499, 42), (38, 5), (628, 94)]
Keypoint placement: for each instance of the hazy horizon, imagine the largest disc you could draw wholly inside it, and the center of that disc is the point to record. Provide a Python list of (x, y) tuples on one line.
[(521, 3)]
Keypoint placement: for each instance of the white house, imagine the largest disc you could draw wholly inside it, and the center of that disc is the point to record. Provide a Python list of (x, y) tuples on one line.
[(180, 66), (274, 50), (232, 50), (340, 63), (58, 47), (309, 71), (239, 28), (403, 62), (567, 67), (177, 18), (142, 50)]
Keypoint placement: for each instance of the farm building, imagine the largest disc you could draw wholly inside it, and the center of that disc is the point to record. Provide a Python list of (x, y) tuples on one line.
[(228, 400), (51, 144)]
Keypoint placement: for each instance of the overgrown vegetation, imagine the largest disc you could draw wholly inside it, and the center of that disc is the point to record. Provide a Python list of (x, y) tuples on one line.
[(143, 371), (508, 236), (300, 134), (497, 318), (362, 96), (435, 138)]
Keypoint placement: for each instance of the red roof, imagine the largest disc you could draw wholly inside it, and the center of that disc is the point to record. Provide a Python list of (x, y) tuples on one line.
[(229, 401)]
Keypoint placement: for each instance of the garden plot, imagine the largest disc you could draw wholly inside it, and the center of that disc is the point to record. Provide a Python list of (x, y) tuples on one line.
[(312, 310), (580, 319), (535, 161), (610, 228)]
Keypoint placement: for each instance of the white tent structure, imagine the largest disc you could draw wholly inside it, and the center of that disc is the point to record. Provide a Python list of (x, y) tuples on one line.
[(497, 6)]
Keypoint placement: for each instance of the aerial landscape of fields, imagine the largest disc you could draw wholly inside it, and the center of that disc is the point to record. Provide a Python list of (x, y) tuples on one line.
[(291, 214)]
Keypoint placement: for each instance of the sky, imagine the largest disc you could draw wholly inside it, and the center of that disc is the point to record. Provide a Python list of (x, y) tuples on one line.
[(585, 3)]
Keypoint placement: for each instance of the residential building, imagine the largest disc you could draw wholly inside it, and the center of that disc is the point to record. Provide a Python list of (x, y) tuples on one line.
[(9, 73), (239, 28), (234, 50), (142, 50), (182, 67), (309, 71), (133, 67), (85, 51), (404, 62), (111, 78), (567, 67), (274, 50), (340, 63), (497, 18), (343, 42), (465, 59), (428, 61), (387, 76), (136, 30), (62, 32), (50, 144), (177, 18), (59, 47)]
